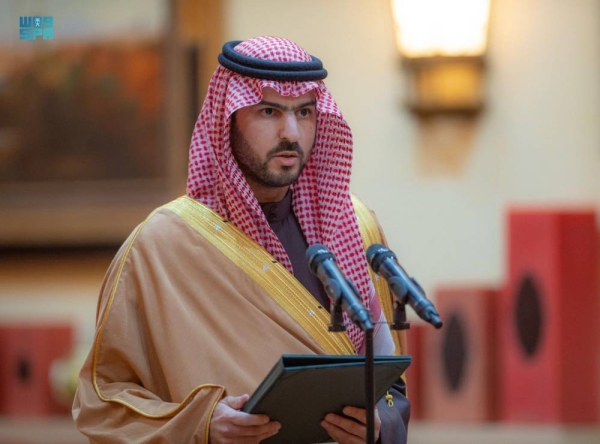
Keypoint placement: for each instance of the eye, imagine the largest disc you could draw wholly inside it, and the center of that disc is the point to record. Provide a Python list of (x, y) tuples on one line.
[(305, 112), (268, 111)]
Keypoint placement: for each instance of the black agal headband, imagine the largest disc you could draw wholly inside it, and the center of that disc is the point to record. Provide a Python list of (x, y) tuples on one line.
[(268, 69)]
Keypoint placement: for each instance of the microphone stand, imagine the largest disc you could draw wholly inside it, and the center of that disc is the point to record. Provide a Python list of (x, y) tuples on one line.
[(337, 317), (370, 387), (337, 325), (400, 322)]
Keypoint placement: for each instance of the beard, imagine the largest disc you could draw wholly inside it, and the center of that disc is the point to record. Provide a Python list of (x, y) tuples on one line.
[(257, 170)]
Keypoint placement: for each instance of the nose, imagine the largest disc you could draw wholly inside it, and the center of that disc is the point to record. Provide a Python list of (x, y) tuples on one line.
[(289, 128)]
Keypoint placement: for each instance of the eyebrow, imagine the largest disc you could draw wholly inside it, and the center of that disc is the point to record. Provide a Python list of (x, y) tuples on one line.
[(287, 108)]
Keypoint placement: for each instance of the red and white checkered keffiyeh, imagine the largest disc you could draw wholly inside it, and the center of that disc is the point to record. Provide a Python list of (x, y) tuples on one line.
[(320, 196)]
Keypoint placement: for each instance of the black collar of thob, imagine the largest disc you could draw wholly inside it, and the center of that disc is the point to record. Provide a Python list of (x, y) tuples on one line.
[(268, 69)]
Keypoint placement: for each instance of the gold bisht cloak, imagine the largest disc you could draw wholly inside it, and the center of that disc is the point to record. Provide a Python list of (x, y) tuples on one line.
[(191, 310)]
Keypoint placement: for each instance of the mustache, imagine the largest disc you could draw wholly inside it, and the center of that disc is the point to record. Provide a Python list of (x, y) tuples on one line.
[(286, 146)]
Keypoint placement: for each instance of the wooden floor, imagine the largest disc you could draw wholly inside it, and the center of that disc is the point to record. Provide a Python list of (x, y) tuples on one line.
[(499, 433), (63, 431), (59, 430)]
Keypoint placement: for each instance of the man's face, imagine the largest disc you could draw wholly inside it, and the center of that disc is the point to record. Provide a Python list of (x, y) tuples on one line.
[(272, 141)]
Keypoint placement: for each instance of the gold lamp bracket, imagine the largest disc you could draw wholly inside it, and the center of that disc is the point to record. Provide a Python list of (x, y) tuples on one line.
[(445, 85)]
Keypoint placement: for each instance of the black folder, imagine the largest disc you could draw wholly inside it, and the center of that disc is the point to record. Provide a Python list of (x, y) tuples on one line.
[(301, 389)]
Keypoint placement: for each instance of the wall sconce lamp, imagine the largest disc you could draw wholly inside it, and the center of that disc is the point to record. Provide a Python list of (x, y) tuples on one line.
[(442, 44)]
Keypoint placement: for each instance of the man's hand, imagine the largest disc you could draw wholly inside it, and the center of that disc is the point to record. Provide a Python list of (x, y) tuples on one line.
[(348, 431), (230, 426)]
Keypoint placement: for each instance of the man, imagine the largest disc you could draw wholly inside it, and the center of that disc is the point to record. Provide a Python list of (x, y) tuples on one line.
[(212, 288)]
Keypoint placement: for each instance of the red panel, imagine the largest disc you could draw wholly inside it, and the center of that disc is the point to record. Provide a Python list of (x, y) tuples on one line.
[(27, 353), (414, 375), (550, 307), (461, 379)]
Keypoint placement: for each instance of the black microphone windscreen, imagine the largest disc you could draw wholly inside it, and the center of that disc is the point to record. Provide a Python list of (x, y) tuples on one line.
[(376, 254), (316, 254)]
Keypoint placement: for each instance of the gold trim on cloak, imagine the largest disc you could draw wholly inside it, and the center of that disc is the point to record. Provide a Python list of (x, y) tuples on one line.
[(265, 270), (371, 234)]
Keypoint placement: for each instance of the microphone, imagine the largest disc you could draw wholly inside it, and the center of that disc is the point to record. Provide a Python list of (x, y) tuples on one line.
[(384, 263), (322, 264)]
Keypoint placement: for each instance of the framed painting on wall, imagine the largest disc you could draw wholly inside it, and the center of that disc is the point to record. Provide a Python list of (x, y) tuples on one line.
[(94, 124)]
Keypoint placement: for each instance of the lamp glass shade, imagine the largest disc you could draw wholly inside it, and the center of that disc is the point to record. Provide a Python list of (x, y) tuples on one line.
[(428, 28)]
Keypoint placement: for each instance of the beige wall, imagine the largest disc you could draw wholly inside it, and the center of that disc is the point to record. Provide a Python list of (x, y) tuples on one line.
[(442, 205), (53, 287)]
